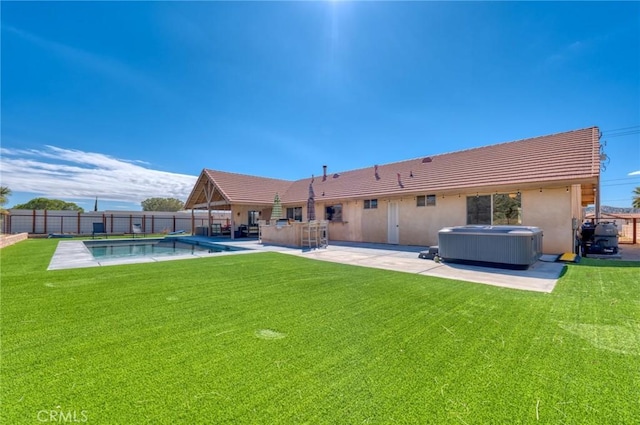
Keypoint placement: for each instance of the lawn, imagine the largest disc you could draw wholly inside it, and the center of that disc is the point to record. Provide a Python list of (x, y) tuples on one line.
[(274, 339)]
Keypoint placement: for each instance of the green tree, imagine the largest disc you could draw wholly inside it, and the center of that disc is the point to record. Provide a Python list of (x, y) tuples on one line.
[(162, 204), (49, 204), (5, 192), (636, 197)]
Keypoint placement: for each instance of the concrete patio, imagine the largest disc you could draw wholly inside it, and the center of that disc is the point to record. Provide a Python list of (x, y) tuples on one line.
[(540, 277)]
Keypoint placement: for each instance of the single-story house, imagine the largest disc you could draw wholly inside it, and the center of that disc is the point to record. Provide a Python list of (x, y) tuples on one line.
[(543, 181)]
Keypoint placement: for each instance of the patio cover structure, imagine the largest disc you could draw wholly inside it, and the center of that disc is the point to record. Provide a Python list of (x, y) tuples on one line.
[(219, 190)]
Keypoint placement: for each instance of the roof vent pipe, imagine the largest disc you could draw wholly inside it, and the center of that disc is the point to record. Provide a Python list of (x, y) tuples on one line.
[(324, 173)]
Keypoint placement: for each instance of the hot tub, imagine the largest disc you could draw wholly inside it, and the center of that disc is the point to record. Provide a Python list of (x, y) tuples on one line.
[(499, 246)]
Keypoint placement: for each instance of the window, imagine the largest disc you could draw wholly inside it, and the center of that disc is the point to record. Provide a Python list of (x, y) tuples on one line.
[(479, 209), (426, 200), (254, 216), (294, 213), (501, 208), (507, 208), (333, 212), (370, 204)]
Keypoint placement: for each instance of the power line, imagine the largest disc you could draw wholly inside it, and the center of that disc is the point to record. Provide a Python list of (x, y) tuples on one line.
[(621, 132), (619, 129), (619, 184), (628, 133), (624, 178)]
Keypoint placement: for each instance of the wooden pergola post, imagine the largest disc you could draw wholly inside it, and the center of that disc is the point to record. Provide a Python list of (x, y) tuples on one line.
[(208, 192)]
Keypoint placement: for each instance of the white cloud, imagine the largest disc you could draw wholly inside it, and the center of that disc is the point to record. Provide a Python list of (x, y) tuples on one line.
[(635, 173), (66, 173)]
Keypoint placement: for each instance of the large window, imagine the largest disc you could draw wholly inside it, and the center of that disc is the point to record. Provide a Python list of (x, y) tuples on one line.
[(333, 212), (479, 209), (294, 213), (501, 208)]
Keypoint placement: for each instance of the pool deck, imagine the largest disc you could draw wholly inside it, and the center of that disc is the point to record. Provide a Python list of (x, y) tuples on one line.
[(540, 277)]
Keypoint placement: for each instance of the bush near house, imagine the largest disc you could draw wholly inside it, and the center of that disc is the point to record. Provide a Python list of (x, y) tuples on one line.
[(269, 338)]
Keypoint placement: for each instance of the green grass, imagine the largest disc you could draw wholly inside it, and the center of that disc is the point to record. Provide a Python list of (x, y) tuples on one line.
[(269, 338)]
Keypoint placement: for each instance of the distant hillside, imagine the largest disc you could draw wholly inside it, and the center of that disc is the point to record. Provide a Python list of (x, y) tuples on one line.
[(612, 210)]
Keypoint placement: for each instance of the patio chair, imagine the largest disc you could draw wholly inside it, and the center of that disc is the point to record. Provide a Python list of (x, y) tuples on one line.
[(98, 229), (137, 230)]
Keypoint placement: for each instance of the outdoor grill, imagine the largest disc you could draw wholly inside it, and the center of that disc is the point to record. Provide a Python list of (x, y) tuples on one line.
[(600, 238), (515, 247)]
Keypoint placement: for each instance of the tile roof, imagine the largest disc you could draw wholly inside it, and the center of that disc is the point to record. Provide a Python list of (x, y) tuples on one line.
[(238, 188), (564, 158), (561, 157)]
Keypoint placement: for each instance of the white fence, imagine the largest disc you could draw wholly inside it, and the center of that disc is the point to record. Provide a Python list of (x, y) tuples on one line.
[(73, 222)]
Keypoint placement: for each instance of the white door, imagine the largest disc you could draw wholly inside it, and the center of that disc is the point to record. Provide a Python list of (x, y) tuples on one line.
[(393, 228)]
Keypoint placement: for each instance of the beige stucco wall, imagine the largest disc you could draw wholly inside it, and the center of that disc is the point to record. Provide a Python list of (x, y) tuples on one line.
[(551, 210), (286, 235), (420, 225), (349, 228), (417, 225)]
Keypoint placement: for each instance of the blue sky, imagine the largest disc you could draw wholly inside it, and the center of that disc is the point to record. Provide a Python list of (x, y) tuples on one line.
[(131, 100)]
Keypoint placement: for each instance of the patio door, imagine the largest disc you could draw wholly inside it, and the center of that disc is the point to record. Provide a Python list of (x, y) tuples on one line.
[(393, 227)]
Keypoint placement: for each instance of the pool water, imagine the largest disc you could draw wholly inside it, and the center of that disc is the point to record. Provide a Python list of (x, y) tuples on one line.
[(102, 250)]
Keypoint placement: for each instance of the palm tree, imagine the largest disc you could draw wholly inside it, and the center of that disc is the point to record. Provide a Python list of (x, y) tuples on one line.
[(5, 192), (636, 197)]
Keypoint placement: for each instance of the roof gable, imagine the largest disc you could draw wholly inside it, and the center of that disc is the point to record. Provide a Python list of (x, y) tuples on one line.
[(235, 188)]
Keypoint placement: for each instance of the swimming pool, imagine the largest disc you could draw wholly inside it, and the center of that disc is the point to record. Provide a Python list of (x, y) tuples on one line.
[(73, 254), (114, 249)]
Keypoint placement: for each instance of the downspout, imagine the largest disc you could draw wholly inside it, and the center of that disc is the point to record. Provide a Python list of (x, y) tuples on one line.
[(603, 160), (597, 189)]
